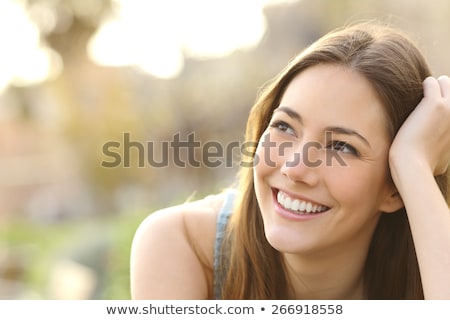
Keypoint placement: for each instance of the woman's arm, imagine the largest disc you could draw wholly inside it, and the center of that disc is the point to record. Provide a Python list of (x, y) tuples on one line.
[(171, 254), (420, 151)]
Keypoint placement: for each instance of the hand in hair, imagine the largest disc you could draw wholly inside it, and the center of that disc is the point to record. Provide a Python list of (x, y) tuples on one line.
[(424, 138), (421, 151)]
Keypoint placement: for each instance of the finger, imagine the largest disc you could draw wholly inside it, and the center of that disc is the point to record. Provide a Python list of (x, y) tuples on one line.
[(444, 83), (431, 87)]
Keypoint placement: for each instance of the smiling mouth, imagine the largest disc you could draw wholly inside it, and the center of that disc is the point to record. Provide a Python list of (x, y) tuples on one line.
[(298, 206)]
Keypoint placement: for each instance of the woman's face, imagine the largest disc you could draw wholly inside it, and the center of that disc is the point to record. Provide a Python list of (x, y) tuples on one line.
[(321, 165)]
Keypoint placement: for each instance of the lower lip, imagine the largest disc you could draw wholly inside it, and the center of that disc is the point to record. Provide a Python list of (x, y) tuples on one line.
[(287, 214)]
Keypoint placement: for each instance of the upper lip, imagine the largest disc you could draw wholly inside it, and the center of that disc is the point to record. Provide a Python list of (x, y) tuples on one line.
[(300, 197)]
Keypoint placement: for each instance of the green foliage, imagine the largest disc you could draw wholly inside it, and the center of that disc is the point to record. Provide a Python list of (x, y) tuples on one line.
[(103, 245)]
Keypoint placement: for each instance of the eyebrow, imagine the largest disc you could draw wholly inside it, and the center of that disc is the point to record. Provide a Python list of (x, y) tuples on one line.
[(340, 130), (291, 113)]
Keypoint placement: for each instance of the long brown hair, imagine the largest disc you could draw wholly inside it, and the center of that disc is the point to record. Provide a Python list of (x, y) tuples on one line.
[(393, 64)]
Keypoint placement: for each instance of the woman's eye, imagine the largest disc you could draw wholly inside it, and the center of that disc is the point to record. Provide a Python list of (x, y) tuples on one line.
[(283, 126), (342, 146)]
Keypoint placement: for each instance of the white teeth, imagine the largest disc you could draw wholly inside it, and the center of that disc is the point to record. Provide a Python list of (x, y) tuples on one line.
[(302, 206), (287, 202), (299, 206), (295, 205)]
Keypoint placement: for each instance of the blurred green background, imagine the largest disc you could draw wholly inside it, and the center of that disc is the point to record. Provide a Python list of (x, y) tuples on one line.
[(77, 74)]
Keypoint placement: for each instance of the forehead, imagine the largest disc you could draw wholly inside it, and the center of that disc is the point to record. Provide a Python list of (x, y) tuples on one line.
[(335, 95)]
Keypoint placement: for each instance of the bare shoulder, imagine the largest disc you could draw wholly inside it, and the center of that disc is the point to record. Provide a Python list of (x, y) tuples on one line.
[(172, 252)]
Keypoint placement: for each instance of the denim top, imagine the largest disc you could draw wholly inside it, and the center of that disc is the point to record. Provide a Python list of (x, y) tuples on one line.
[(222, 221)]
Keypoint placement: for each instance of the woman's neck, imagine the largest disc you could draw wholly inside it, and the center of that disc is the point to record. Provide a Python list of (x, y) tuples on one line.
[(339, 276)]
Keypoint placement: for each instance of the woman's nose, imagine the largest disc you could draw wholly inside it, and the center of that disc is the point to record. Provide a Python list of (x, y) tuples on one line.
[(300, 162)]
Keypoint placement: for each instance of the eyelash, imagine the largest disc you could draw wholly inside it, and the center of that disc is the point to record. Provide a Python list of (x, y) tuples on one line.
[(336, 145), (282, 126)]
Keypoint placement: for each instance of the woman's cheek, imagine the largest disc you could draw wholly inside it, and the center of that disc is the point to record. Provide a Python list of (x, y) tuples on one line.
[(259, 161), (267, 155), (353, 183)]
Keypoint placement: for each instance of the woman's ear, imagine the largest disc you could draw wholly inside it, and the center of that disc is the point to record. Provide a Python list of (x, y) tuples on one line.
[(392, 202)]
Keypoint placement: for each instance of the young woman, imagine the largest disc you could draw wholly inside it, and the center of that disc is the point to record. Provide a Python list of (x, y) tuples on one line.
[(346, 197)]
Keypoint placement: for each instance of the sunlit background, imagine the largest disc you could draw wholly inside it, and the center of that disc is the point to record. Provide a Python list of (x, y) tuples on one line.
[(78, 74)]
